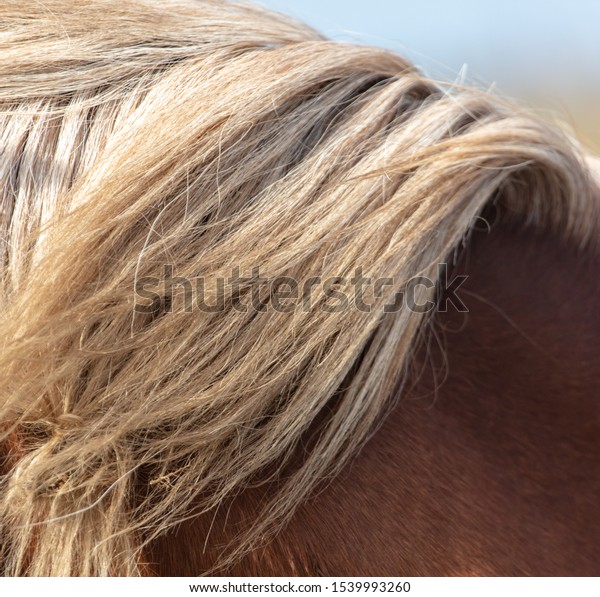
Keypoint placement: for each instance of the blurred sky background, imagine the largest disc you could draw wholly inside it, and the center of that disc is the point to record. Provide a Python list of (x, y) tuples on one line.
[(544, 52)]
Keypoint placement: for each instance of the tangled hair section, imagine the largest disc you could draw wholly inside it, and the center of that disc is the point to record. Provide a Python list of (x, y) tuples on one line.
[(211, 136)]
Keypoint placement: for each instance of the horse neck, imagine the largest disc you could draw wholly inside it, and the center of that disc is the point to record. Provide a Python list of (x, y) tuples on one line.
[(489, 462)]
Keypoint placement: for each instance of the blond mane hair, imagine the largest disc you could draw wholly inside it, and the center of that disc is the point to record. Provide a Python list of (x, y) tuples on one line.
[(212, 135)]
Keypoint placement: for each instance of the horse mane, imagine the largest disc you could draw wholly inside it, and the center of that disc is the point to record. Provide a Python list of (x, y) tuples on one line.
[(217, 136)]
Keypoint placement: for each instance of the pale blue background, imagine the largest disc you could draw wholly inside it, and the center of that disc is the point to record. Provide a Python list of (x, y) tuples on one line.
[(547, 50), (497, 40)]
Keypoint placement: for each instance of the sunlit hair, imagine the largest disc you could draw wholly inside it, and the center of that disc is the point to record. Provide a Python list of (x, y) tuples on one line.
[(211, 136)]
